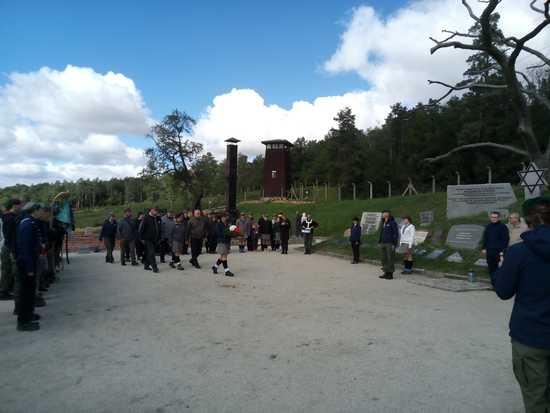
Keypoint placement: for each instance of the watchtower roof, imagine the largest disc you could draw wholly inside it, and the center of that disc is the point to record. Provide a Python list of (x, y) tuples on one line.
[(278, 142)]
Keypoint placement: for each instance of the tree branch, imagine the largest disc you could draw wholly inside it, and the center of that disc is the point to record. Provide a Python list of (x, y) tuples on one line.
[(472, 85), (456, 45), (470, 11), (478, 145)]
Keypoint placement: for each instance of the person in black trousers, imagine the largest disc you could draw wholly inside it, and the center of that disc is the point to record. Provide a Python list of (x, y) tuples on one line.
[(27, 252), (496, 238), (212, 237), (308, 226), (127, 234), (196, 233), (388, 240), (149, 232), (355, 239), (285, 226), (140, 247), (108, 236)]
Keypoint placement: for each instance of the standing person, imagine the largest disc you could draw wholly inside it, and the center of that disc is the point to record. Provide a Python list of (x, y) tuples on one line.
[(167, 224), (276, 233), (212, 236), (355, 239), (223, 246), (265, 231), (178, 236), (308, 226), (284, 223), (524, 273), (27, 252), (407, 238), (8, 278), (251, 240), (196, 234), (516, 227), (149, 232), (244, 228), (127, 234), (140, 246), (388, 239), (108, 236), (495, 241)]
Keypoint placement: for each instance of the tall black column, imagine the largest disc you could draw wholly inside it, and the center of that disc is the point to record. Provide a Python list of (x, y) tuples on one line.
[(231, 176)]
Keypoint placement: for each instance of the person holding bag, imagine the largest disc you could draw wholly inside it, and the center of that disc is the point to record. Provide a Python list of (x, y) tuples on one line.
[(407, 236), (355, 239)]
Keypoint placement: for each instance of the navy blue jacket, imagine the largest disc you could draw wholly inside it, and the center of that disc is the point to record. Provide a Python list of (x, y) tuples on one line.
[(525, 273), (108, 230), (355, 233), (220, 233), (9, 229), (389, 232), (28, 244), (496, 237)]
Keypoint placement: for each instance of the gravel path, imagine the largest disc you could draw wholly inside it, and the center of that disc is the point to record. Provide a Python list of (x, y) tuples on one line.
[(290, 333)]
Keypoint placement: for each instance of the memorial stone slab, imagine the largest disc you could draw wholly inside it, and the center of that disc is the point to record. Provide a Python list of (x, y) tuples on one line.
[(456, 257), (481, 263), (435, 254), (420, 237), (438, 236), (426, 218), (347, 232), (468, 200), (370, 222), (465, 236)]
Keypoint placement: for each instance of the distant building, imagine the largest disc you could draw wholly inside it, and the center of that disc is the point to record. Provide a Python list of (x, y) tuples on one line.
[(277, 168)]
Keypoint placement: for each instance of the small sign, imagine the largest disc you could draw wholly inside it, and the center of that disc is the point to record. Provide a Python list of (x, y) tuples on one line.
[(420, 237), (426, 218), (481, 262), (456, 258), (370, 222), (465, 236)]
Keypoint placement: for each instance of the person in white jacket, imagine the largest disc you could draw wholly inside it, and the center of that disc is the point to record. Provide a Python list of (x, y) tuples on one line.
[(406, 243)]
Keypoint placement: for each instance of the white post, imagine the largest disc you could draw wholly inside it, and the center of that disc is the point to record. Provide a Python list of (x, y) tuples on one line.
[(370, 189), (457, 178), (389, 189), (354, 192), (490, 177), (433, 184)]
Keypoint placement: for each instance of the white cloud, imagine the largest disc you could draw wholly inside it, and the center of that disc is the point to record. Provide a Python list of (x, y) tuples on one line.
[(65, 125), (391, 54)]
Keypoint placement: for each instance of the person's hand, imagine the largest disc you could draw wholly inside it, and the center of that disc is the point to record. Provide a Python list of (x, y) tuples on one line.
[(501, 260), (483, 252)]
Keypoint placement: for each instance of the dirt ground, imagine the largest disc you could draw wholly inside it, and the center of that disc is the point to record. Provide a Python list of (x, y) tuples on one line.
[(290, 333)]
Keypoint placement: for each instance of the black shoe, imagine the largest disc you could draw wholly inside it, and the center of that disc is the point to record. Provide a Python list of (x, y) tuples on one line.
[(162, 261), (214, 269), (197, 266), (30, 326), (229, 274), (6, 297), (134, 264), (180, 268), (147, 268), (172, 265), (123, 263), (42, 289), (385, 276), (155, 270), (36, 317)]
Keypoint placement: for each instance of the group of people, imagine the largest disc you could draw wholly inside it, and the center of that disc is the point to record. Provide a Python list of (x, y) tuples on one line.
[(166, 234), (32, 241)]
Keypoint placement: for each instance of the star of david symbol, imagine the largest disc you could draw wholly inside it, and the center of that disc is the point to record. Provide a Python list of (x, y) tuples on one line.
[(532, 177)]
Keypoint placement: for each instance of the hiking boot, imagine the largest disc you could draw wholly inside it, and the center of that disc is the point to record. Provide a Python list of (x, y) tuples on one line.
[(214, 269), (156, 270), (134, 264), (147, 268), (172, 265), (30, 326), (229, 274), (180, 267), (36, 317), (39, 301)]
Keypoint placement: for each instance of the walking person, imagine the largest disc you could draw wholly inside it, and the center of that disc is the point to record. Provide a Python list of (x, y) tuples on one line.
[(407, 238), (196, 234), (8, 277), (212, 236), (308, 226), (27, 253), (140, 246), (108, 236), (167, 224), (149, 232), (177, 239), (251, 240), (524, 273), (516, 227), (265, 231), (388, 239), (284, 223), (223, 246), (127, 234), (355, 239), (495, 241)]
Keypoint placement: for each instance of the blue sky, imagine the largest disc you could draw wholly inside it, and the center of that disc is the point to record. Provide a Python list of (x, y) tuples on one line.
[(183, 53)]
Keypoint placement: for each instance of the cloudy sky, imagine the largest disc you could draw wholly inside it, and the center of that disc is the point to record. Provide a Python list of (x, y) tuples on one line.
[(82, 82)]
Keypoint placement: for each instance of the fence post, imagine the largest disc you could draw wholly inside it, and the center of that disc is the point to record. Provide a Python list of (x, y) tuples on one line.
[(339, 192), (389, 189), (433, 184), (457, 178), (490, 172), (326, 191), (370, 189), (354, 192)]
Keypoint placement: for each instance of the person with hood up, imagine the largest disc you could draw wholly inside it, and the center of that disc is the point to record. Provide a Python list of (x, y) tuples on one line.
[(525, 274)]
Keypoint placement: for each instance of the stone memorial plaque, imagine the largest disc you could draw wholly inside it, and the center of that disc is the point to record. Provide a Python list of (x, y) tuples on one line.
[(420, 237), (438, 236), (426, 218), (347, 232), (370, 222), (465, 236), (435, 254), (456, 257), (482, 262), (468, 200)]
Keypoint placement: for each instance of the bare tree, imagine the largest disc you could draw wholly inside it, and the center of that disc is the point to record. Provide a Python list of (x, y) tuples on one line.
[(503, 52)]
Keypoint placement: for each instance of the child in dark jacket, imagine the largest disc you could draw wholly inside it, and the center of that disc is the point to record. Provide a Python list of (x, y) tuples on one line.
[(177, 240), (525, 274), (355, 239), (108, 236)]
